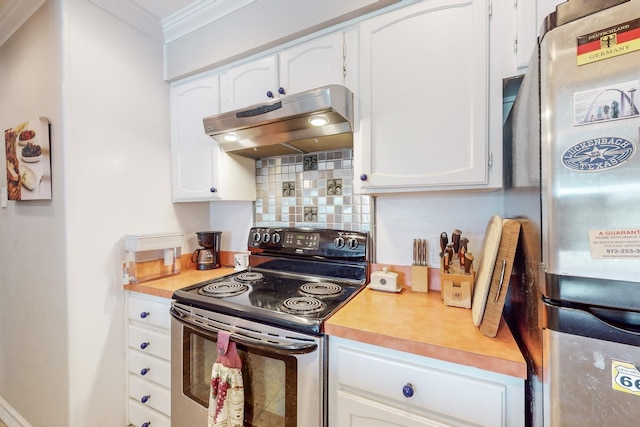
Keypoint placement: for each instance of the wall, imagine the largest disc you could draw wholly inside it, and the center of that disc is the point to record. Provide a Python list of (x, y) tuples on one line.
[(402, 218), (62, 324), (117, 164), (33, 294)]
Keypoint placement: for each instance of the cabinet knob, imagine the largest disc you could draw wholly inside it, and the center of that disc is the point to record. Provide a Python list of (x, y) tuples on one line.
[(144, 314), (407, 390), (147, 424), (145, 399), (213, 189), (144, 371), (281, 91), (269, 94), (144, 345), (363, 177)]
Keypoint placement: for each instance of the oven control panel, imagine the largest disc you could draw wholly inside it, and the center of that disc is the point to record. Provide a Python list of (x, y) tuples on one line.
[(309, 242)]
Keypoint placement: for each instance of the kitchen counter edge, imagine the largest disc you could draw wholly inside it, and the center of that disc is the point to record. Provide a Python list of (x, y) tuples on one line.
[(419, 323), (164, 287), (412, 322)]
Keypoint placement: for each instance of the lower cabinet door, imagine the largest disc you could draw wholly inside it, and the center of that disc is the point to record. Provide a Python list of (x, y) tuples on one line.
[(150, 394), (358, 411), (143, 416), (150, 368)]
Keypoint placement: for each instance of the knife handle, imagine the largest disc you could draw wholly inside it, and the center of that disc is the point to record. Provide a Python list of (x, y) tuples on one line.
[(443, 242), (415, 251), (468, 262), (455, 238)]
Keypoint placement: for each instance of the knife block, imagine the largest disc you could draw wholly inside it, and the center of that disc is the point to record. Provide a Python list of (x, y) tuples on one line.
[(457, 286), (419, 278)]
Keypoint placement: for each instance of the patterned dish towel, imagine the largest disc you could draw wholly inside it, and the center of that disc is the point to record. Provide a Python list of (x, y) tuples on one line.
[(226, 401)]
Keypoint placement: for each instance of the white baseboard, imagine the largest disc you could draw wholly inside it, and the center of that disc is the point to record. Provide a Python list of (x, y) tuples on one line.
[(10, 416)]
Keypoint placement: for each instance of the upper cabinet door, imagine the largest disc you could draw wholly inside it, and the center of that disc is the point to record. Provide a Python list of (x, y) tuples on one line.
[(249, 83), (306, 66), (201, 171), (191, 149), (313, 64), (424, 98)]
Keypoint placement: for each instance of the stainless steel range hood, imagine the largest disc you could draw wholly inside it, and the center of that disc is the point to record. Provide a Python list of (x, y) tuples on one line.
[(284, 125)]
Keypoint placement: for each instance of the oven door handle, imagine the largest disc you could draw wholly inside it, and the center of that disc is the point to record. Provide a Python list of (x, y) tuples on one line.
[(274, 347)]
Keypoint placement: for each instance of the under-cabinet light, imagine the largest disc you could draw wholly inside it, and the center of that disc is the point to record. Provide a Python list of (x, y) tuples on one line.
[(318, 120)]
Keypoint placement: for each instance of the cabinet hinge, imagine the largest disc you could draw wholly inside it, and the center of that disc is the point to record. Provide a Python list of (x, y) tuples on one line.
[(344, 60), (490, 160), (490, 8), (515, 44)]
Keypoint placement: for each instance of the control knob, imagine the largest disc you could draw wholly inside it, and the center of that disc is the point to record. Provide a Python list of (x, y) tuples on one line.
[(353, 243), (339, 242), (256, 237), (275, 238), (266, 237)]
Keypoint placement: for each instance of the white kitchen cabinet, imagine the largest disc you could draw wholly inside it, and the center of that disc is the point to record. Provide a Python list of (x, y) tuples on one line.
[(425, 100), (309, 65), (201, 170), (375, 386), (149, 360), (529, 16)]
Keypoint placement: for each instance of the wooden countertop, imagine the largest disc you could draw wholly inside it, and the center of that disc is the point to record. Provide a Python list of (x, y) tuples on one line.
[(420, 323), (408, 321), (165, 286)]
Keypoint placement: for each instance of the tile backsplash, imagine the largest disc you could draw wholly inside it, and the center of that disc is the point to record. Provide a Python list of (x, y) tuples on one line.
[(310, 190)]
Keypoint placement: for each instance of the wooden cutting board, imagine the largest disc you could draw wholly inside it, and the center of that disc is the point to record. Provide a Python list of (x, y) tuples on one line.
[(490, 246), (500, 278)]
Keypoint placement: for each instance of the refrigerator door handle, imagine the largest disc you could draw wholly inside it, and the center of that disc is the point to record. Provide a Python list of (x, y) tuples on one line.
[(626, 321)]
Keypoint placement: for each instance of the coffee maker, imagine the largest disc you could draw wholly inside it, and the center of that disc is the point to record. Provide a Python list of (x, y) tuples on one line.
[(208, 256)]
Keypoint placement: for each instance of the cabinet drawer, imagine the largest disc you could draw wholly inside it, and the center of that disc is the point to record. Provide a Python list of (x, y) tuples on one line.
[(150, 368), (150, 342), (436, 391), (150, 394), (150, 312), (140, 414)]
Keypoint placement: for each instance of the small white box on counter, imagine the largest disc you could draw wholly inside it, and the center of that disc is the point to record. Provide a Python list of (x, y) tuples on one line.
[(151, 256)]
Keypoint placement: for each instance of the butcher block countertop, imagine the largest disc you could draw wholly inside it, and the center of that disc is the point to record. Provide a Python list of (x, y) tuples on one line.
[(408, 321), (164, 287), (421, 324)]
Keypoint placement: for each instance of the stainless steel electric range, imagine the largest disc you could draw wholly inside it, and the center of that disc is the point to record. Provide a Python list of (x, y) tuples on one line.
[(275, 311)]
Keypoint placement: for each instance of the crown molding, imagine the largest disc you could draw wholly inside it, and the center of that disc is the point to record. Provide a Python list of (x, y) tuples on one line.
[(198, 15), (134, 15), (13, 14)]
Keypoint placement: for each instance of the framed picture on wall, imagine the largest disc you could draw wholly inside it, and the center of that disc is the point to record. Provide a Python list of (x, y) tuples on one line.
[(28, 154)]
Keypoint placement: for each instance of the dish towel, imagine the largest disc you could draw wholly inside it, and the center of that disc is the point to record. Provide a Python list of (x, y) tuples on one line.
[(226, 401)]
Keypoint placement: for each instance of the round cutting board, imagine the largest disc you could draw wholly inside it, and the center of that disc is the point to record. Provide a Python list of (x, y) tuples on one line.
[(490, 245)]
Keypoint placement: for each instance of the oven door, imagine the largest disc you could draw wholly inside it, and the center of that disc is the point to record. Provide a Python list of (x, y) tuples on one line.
[(283, 371)]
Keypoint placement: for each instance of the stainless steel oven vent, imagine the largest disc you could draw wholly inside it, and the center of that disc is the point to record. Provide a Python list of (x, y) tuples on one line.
[(315, 120)]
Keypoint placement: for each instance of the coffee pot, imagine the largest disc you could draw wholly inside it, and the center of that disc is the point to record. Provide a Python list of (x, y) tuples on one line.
[(208, 256)]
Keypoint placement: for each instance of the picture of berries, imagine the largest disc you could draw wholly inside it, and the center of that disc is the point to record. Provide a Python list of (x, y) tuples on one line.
[(26, 135), (31, 150)]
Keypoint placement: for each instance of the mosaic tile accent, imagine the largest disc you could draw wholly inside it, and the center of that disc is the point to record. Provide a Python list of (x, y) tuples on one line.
[(291, 195), (310, 162)]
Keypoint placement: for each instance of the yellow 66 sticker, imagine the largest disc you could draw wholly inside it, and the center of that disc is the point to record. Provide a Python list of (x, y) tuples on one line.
[(625, 377)]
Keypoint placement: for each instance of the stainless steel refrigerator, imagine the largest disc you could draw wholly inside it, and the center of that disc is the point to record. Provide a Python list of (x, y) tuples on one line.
[(573, 181)]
